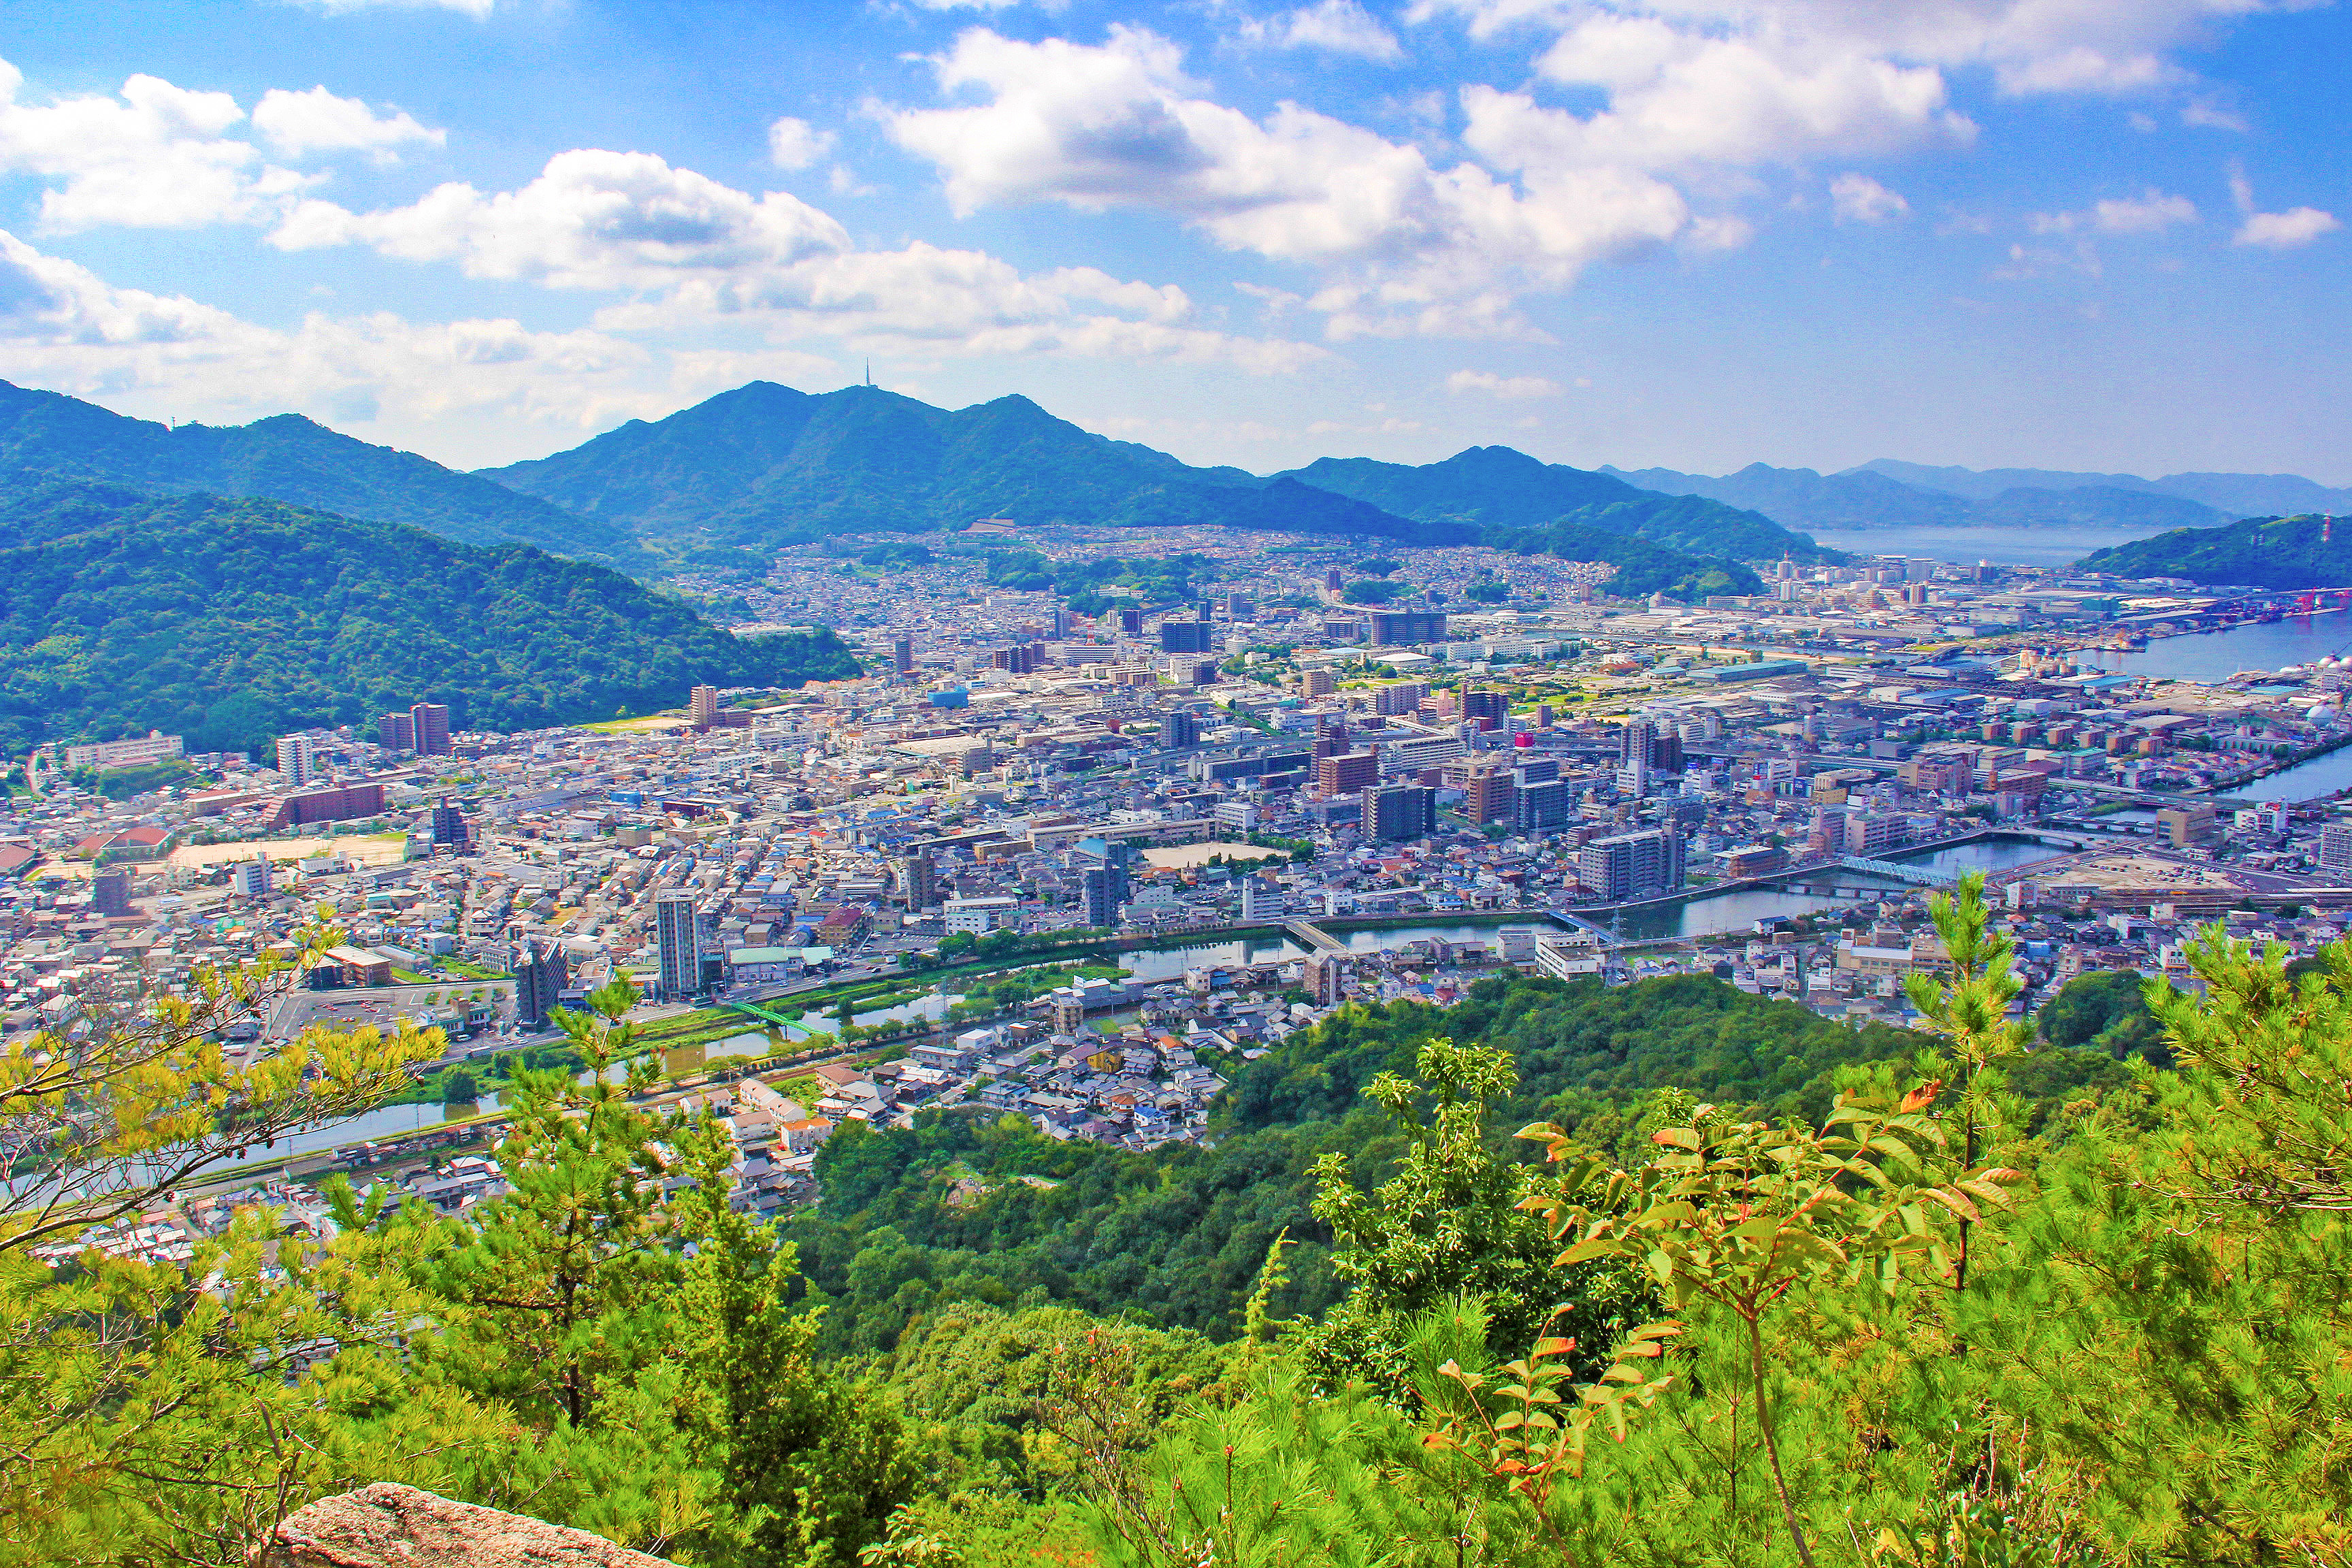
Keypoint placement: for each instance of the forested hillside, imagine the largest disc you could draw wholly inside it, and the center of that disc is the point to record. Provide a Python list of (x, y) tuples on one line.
[(286, 458), (1752, 1287), (2260, 552), (764, 464), (1496, 487), (233, 621)]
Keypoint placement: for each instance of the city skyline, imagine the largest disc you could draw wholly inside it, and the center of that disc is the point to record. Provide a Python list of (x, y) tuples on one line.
[(1687, 235)]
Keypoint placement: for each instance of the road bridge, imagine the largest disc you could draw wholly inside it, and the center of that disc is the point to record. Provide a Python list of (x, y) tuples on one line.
[(1917, 876), (1314, 939)]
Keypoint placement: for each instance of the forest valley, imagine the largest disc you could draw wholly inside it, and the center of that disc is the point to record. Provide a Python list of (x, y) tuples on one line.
[(1664, 1275)]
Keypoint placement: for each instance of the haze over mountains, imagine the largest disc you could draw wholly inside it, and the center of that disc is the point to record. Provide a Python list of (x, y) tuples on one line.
[(1884, 493)]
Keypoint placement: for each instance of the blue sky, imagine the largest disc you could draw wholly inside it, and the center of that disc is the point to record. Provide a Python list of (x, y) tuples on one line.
[(1693, 233)]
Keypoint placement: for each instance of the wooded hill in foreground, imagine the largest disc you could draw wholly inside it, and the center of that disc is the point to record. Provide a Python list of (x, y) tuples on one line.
[(233, 621), (1762, 1293)]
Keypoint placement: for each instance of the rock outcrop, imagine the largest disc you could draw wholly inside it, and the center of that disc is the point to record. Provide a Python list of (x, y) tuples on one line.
[(388, 1526)]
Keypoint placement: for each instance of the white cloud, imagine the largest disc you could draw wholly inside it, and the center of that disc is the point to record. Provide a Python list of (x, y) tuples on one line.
[(1505, 386), (1858, 198), (2032, 45), (2286, 230), (153, 157), (700, 255), (1341, 26), (1679, 99), (2151, 212), (592, 219), (795, 144), (479, 10), (1421, 249), (296, 123)]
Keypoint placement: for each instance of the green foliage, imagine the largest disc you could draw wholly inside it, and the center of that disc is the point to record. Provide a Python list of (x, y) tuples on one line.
[(1377, 565), (1371, 591), (2107, 1009), (2260, 552), (126, 614), (44, 435), (1494, 590)]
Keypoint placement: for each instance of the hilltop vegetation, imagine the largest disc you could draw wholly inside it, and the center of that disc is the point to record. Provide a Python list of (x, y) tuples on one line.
[(232, 621), (769, 465), (2260, 552), (1756, 1288), (285, 457)]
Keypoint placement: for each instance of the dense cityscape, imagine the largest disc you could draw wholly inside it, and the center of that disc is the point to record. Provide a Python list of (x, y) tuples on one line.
[(1277, 784), (1257, 805)]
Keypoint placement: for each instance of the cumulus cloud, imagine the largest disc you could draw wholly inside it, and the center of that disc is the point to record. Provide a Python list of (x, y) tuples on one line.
[(154, 156), (1678, 99), (1505, 386), (1341, 26), (479, 10), (795, 144), (2030, 46), (592, 219), (1118, 125), (697, 253), (2274, 231), (298, 123), (2286, 230), (1858, 198), (2151, 212)]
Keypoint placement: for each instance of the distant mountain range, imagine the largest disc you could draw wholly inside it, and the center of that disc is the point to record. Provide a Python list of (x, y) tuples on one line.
[(1888, 494), (289, 459), (232, 621), (765, 465)]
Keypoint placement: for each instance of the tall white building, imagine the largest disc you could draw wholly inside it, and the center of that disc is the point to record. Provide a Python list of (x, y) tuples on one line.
[(673, 931), (294, 759)]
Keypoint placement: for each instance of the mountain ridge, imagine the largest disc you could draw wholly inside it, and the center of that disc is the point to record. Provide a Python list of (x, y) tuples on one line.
[(233, 619), (287, 458)]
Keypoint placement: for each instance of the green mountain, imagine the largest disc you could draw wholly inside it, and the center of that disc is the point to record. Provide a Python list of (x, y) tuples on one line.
[(1497, 486), (232, 620), (2261, 552), (288, 459), (765, 465)]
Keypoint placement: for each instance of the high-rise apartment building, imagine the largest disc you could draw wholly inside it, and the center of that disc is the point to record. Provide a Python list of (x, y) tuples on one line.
[(1327, 978), (109, 893), (429, 722), (1401, 697), (1490, 796), (1180, 729), (918, 881), (1399, 811), (2336, 846), (542, 973), (1102, 897), (251, 878), (1489, 710), (1393, 628), (702, 706), (1130, 623), (678, 943), (1347, 773), (1633, 865), (450, 828), (294, 759), (1539, 806), (395, 732), (1319, 683), (902, 656), (1187, 636)]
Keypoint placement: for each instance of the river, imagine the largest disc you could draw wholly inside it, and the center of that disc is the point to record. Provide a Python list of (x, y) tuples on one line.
[(2211, 657), (1713, 914)]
